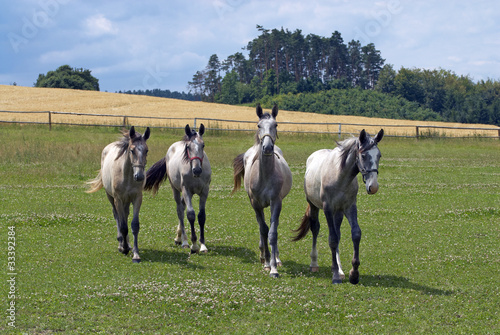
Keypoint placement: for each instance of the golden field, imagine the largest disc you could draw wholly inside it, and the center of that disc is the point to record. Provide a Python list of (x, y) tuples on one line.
[(17, 98)]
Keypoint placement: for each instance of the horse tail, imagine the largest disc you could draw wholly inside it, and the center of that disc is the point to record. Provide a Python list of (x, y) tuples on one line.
[(156, 175), (239, 171), (95, 184), (304, 227)]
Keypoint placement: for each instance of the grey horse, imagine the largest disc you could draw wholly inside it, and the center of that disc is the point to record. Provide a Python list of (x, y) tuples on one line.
[(267, 180), (331, 185)]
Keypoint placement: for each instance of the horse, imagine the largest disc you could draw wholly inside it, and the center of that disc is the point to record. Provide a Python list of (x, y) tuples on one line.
[(122, 176), (187, 167), (267, 180), (330, 184)]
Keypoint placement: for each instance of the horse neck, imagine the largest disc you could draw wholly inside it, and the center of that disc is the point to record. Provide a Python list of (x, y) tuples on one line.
[(350, 170), (266, 164)]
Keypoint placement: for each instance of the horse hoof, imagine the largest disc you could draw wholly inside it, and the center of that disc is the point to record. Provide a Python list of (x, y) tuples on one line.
[(177, 243), (337, 281), (354, 277), (194, 251), (274, 275), (267, 268), (314, 268), (136, 260), (185, 246), (204, 251), (123, 251)]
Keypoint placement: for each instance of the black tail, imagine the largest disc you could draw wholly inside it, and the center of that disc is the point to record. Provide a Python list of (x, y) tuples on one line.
[(239, 171), (304, 227), (156, 175)]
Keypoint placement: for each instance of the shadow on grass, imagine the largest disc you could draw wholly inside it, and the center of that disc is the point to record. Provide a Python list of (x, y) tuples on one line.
[(246, 255), (180, 257), (295, 270)]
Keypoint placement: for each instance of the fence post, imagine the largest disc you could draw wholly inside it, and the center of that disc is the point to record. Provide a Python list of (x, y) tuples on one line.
[(124, 122), (499, 133), (340, 130), (50, 121), (194, 124), (418, 133)]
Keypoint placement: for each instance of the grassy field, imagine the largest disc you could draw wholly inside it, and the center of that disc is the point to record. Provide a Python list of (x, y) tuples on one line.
[(429, 251)]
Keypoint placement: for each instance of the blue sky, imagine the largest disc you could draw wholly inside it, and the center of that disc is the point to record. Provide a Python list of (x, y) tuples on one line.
[(130, 44)]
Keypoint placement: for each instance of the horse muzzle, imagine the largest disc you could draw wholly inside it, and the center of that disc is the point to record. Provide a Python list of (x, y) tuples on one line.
[(197, 170), (372, 185)]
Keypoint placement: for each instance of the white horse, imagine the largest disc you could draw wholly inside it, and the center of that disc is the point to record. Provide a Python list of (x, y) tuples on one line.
[(122, 176), (267, 179), (188, 169), (331, 185)]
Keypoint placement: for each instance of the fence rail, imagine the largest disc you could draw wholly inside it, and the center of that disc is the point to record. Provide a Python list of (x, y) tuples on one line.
[(113, 120)]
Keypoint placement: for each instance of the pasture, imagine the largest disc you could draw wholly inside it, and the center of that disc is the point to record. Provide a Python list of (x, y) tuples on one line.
[(429, 249)]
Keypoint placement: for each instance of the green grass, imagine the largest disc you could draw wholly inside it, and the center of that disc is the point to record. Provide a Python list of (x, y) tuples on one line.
[(429, 251)]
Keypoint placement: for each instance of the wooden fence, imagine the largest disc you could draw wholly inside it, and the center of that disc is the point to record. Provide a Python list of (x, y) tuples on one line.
[(51, 118)]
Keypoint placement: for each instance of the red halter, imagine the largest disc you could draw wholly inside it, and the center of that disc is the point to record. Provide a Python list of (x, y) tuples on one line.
[(195, 157)]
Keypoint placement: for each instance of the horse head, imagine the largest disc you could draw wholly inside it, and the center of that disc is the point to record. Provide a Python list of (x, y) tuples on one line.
[(367, 159), (267, 129), (138, 152), (194, 149)]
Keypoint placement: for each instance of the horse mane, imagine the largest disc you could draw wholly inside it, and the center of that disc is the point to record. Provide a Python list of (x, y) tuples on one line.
[(186, 139), (351, 145), (124, 143)]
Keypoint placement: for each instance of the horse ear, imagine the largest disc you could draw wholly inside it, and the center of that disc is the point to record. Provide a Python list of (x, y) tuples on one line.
[(379, 136), (201, 131), (259, 111), (146, 134), (187, 130), (132, 132), (275, 111), (362, 136)]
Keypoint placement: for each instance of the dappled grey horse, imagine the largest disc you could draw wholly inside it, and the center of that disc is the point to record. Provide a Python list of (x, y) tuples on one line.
[(187, 167), (331, 185), (122, 176), (267, 180)]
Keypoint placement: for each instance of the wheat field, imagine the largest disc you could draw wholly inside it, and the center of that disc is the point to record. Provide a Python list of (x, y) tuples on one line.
[(180, 112)]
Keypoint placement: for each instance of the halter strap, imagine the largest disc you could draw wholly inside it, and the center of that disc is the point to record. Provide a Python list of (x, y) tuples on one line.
[(194, 157), (261, 137), (364, 172)]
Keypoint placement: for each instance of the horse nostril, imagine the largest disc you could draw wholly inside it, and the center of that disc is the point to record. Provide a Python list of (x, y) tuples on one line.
[(197, 171), (372, 189)]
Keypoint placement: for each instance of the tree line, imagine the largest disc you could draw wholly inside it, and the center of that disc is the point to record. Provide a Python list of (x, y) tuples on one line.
[(281, 62), (326, 75), (164, 94)]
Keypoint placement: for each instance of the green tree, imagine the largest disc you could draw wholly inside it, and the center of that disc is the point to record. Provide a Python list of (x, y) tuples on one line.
[(67, 77)]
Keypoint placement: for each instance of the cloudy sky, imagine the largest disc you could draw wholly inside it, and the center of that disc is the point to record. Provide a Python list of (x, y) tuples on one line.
[(130, 44)]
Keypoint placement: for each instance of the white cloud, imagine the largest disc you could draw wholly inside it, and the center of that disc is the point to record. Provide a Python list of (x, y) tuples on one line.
[(99, 25)]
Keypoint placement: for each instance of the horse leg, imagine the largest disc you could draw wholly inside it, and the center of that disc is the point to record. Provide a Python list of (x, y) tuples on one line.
[(352, 217), (135, 228), (181, 238), (314, 226), (334, 220), (273, 237), (265, 256), (121, 225), (191, 216), (201, 220)]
